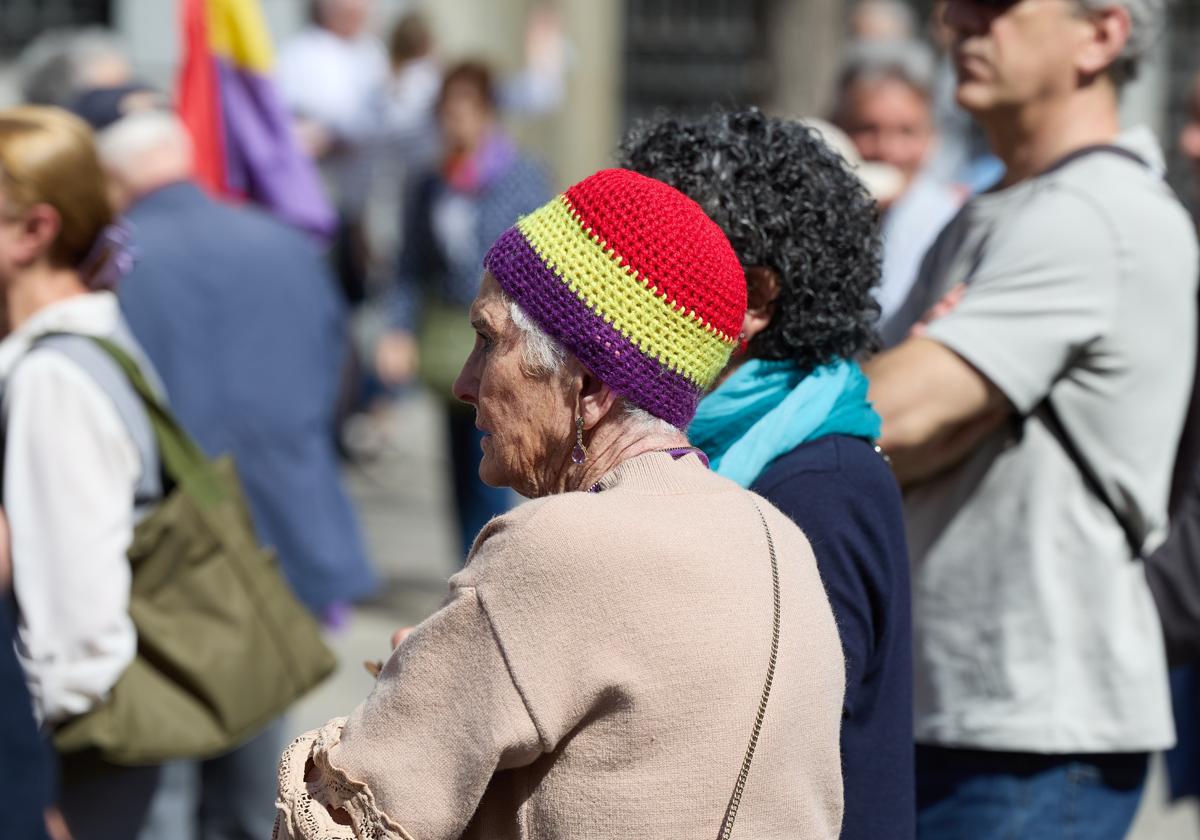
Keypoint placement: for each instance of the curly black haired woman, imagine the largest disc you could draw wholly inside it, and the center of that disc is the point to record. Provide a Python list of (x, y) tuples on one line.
[(790, 417)]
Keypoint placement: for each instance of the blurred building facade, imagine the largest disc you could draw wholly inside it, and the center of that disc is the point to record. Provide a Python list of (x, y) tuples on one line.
[(22, 20)]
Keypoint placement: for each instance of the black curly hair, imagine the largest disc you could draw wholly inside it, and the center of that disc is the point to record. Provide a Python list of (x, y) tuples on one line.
[(789, 203)]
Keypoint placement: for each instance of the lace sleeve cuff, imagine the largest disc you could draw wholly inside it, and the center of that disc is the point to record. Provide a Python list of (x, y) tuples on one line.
[(327, 805)]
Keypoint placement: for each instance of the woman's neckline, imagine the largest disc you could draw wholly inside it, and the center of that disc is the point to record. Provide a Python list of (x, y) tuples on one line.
[(676, 454)]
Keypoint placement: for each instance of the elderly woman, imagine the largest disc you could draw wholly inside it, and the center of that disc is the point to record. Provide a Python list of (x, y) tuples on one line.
[(609, 649), (791, 419)]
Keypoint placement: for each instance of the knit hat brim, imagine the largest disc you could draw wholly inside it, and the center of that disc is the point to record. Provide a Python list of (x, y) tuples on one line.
[(600, 347)]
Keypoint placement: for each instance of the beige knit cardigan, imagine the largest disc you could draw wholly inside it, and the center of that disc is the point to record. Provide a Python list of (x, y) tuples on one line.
[(595, 674)]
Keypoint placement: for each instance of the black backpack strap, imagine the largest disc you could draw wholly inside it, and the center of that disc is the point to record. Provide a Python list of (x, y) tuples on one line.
[(1098, 148), (1133, 537)]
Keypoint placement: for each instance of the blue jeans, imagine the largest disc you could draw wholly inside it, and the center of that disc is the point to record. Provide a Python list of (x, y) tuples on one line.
[(980, 795), (230, 797)]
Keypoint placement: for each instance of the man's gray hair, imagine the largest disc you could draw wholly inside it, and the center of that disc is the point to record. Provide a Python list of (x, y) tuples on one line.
[(543, 356), (910, 62), (123, 144), (1147, 22), (55, 67)]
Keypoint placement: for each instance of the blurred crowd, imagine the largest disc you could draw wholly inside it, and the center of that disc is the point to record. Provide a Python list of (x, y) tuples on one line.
[(962, 364)]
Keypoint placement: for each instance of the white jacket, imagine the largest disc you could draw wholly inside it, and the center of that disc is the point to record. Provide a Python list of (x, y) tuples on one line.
[(71, 468)]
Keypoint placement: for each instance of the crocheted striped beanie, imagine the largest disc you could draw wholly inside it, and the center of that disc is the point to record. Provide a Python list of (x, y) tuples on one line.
[(635, 280)]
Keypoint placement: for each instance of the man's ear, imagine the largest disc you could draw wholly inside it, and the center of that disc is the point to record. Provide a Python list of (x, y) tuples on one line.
[(762, 290), (1110, 28), (596, 400)]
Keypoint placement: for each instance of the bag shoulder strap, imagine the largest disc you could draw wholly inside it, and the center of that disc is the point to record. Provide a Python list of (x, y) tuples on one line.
[(1133, 538), (183, 462), (735, 800), (101, 368)]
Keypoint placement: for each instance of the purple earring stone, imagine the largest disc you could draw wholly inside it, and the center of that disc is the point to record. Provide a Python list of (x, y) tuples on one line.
[(578, 454)]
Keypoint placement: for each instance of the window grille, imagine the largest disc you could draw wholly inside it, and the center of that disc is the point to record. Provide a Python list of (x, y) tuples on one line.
[(688, 55), (23, 20)]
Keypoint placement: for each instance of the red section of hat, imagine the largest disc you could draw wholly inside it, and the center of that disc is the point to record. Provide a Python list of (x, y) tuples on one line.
[(665, 237)]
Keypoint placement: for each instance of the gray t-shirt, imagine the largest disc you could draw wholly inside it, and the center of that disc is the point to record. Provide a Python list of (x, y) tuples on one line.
[(1034, 628)]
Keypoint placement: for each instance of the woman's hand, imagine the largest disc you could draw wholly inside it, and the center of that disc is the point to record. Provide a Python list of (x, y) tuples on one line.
[(373, 667), (56, 826), (941, 309), (400, 635), (5, 555)]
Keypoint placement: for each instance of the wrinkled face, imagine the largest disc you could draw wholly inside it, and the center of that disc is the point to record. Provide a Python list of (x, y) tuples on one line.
[(528, 421), (1015, 54), (889, 122), (1189, 138), (465, 116)]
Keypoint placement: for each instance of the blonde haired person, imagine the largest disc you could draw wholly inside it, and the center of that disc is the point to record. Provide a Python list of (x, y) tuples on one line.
[(77, 467)]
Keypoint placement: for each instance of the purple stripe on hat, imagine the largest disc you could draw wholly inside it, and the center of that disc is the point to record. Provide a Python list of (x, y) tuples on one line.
[(547, 299)]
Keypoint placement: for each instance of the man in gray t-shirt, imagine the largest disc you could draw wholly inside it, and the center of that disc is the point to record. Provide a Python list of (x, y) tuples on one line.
[(1034, 427)]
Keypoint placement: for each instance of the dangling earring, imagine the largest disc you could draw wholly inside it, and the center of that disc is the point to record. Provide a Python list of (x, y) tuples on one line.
[(743, 345), (579, 453)]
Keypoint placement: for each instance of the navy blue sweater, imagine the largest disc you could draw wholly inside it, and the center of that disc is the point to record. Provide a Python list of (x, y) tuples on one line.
[(844, 497)]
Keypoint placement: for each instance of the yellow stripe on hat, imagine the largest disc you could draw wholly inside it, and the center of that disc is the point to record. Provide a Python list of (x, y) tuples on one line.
[(677, 339)]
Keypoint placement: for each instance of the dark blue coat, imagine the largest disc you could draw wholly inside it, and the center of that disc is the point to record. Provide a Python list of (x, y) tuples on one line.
[(845, 499), (241, 316), (24, 757)]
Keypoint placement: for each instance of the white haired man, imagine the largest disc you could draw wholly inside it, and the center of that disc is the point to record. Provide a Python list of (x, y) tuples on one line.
[(1034, 426)]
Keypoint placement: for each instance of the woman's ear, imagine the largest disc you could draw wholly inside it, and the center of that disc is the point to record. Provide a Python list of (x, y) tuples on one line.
[(762, 290), (596, 400), (37, 231)]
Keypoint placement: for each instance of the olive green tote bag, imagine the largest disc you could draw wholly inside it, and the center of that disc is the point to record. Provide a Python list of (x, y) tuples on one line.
[(223, 645)]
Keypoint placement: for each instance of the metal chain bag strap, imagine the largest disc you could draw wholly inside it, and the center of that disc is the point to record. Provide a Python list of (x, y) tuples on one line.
[(736, 799)]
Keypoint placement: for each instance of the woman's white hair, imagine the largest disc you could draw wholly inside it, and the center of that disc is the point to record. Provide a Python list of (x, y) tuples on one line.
[(543, 356)]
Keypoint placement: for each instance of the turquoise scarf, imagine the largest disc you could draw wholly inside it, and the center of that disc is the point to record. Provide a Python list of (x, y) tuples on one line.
[(766, 409)]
